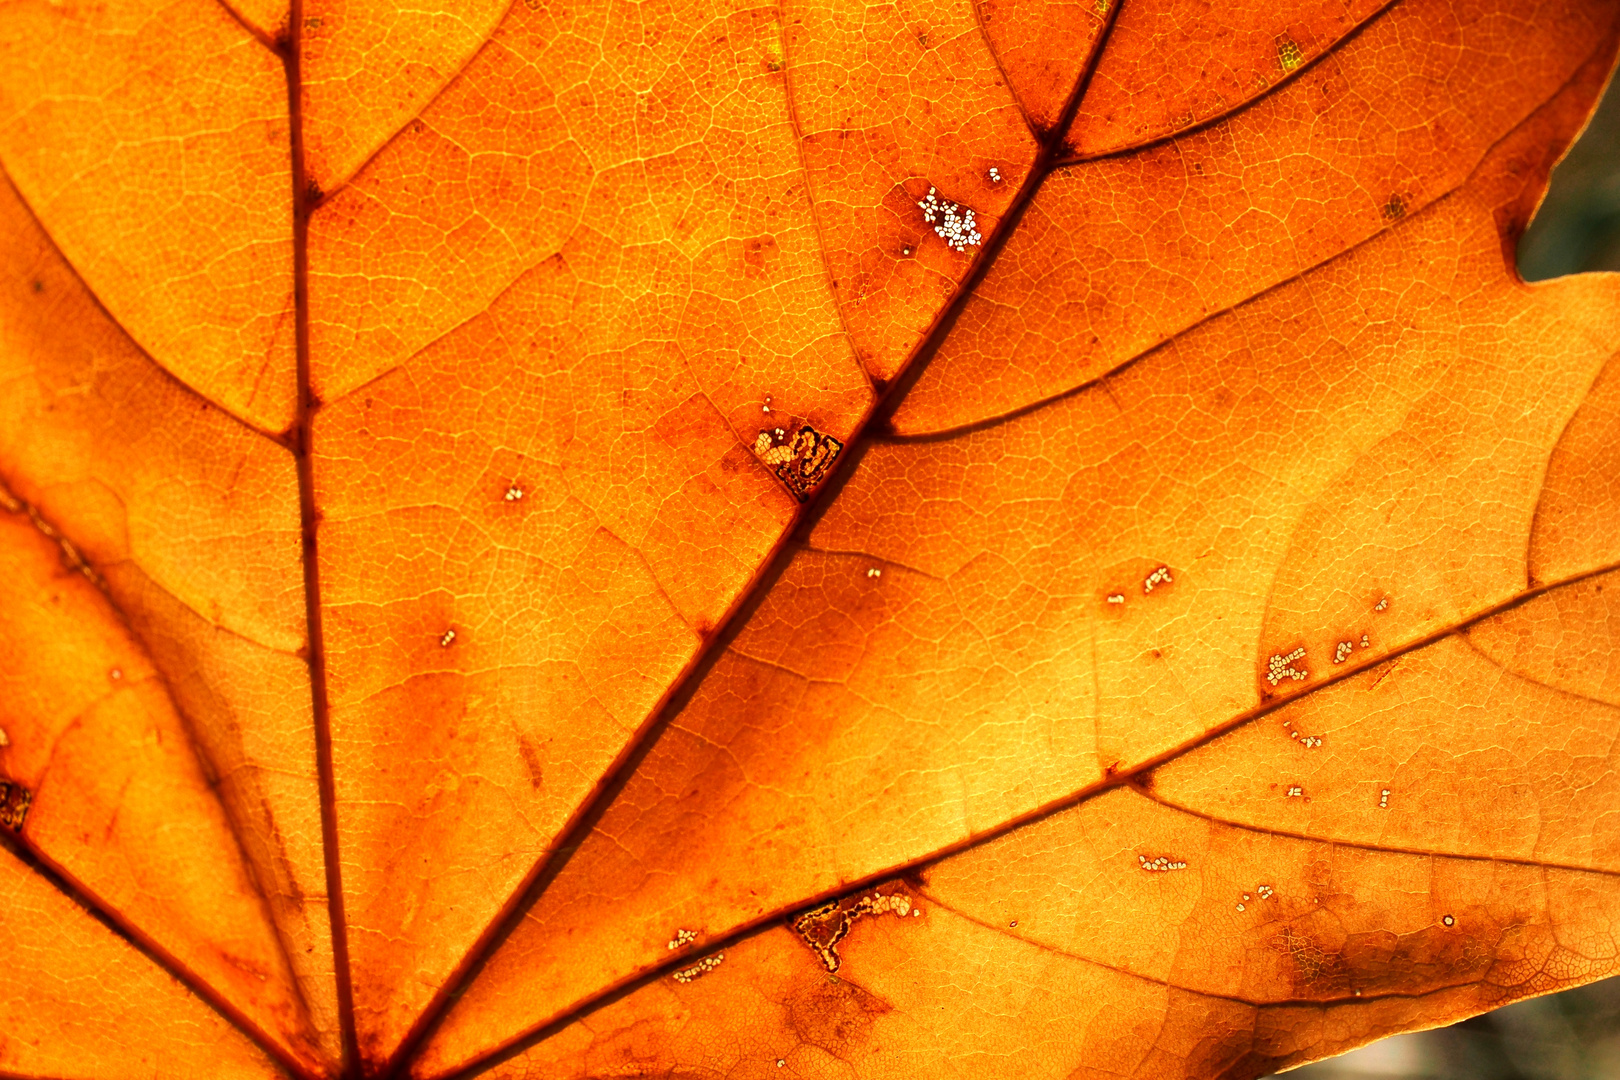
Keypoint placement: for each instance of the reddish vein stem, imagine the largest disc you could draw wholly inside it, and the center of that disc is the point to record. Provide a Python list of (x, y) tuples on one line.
[(305, 197)]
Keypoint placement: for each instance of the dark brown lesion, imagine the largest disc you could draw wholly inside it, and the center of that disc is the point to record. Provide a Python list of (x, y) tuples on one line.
[(14, 802), (801, 460), (824, 927)]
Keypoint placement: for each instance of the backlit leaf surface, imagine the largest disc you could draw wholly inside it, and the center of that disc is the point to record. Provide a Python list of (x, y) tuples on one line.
[(598, 539)]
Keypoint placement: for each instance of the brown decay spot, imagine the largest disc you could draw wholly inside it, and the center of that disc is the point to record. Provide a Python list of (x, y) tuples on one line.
[(756, 255), (531, 760), (833, 1014), (1326, 963), (1395, 208), (14, 801), (801, 460), (824, 927)]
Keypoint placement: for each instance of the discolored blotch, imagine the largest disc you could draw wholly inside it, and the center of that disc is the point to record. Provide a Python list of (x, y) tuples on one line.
[(1289, 54), (14, 803), (757, 256), (833, 1014), (801, 460), (823, 928), (531, 761), (1323, 962), (1395, 208)]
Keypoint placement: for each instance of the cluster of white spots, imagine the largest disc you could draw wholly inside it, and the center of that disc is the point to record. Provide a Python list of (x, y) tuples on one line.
[(514, 493), (1295, 791), (1158, 577), (1383, 799), (115, 674), (1382, 604), (1116, 598), (1365, 644), (874, 572), (765, 408), (780, 1063), (1241, 905), (995, 175), (702, 967), (773, 451), (899, 903), (1281, 667), (952, 221), (1160, 865), (1265, 891), (449, 636), (682, 937), (1343, 649), (1448, 920), (1307, 741)]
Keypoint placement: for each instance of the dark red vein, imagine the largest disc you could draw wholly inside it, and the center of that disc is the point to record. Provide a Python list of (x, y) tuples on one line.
[(305, 198), (130, 933)]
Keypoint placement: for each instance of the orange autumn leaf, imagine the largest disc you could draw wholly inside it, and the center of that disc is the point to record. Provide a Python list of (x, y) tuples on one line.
[(1000, 538)]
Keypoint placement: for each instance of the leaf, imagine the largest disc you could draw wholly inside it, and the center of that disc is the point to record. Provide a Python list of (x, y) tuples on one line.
[(584, 539)]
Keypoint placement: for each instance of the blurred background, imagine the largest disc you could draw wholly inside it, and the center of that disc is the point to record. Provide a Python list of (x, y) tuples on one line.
[(1578, 226), (1574, 1035)]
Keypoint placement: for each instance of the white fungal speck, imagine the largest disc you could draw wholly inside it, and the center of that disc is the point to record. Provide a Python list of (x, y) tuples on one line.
[(780, 1063), (953, 222), (916, 912), (1342, 650), (1383, 799), (1382, 604), (514, 493), (1295, 791), (702, 967), (765, 408), (1159, 576), (1281, 667), (449, 636), (995, 174), (1448, 920), (874, 572), (1116, 598), (1364, 642), (1161, 864), (1240, 907), (682, 937)]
